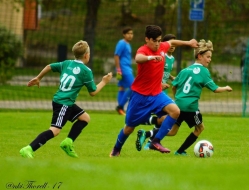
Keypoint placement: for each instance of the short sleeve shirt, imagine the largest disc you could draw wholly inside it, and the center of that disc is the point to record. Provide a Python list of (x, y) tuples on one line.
[(74, 75), (149, 74), (189, 83), (123, 50), (169, 62)]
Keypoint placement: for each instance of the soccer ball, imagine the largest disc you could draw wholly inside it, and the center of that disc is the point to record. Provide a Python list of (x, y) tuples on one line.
[(203, 149)]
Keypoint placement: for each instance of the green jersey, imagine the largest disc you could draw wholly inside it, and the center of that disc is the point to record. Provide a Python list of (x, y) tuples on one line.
[(189, 83), (169, 62), (74, 75), (168, 66)]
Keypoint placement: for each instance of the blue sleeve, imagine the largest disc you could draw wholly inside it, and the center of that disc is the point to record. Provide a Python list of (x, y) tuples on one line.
[(119, 48)]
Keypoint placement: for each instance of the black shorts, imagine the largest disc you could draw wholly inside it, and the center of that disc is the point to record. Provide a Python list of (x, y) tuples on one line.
[(191, 118), (63, 113)]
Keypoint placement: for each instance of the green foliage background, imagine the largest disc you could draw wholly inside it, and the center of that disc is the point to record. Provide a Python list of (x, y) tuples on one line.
[(10, 51)]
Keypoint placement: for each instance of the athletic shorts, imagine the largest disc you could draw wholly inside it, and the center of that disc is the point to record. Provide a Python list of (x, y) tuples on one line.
[(141, 107), (63, 113), (191, 118), (126, 81)]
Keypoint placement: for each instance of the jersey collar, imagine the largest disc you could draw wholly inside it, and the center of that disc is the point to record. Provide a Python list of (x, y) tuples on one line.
[(78, 61), (197, 64)]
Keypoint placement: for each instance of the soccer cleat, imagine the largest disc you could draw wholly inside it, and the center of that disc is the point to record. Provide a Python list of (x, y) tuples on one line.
[(27, 152), (140, 139), (67, 146), (115, 152), (147, 146), (181, 154), (120, 110), (157, 146)]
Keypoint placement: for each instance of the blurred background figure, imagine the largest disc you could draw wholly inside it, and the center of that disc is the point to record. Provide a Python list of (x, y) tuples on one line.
[(124, 72)]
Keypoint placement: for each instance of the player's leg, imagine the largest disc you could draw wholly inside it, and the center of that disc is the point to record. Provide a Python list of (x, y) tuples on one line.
[(152, 133), (162, 104), (40, 140), (82, 121), (142, 135), (125, 92), (122, 137), (192, 119), (125, 98), (60, 115), (120, 108), (134, 116)]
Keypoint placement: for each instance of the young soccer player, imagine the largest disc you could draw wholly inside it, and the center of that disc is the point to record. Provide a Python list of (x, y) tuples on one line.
[(123, 61), (187, 88), (147, 96), (169, 62), (74, 74)]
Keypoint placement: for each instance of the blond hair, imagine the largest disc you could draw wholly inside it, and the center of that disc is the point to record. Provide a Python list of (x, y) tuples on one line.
[(80, 48), (203, 47)]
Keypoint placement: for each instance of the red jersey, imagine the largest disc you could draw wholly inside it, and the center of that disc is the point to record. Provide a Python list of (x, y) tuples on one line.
[(149, 74)]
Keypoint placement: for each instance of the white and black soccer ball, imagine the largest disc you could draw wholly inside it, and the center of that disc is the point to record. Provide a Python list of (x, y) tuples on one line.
[(203, 149)]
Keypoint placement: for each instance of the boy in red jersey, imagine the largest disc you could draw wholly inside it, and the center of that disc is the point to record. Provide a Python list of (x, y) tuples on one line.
[(147, 96)]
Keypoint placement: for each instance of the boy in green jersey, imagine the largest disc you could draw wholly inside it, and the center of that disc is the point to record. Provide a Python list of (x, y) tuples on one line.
[(74, 74), (187, 88), (169, 63)]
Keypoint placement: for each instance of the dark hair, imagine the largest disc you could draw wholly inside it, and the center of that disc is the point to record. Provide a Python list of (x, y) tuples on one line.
[(126, 29), (168, 37), (153, 31)]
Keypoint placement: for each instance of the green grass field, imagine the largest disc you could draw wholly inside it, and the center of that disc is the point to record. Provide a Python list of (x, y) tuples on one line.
[(53, 169)]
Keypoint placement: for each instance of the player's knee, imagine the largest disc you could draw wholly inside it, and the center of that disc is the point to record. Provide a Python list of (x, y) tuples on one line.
[(56, 131), (175, 112), (198, 130), (84, 117)]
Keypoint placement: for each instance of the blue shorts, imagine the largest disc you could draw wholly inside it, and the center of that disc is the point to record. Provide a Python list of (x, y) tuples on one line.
[(141, 107), (126, 81)]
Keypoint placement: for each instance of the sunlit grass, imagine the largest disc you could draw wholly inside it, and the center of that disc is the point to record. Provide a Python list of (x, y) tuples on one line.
[(227, 169)]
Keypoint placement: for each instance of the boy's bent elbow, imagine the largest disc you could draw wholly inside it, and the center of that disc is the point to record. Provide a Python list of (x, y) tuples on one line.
[(92, 93)]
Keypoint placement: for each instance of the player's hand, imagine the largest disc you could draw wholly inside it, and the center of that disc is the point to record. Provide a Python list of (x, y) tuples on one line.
[(107, 78), (33, 82), (172, 78), (118, 74), (165, 86), (156, 58), (229, 89), (193, 43)]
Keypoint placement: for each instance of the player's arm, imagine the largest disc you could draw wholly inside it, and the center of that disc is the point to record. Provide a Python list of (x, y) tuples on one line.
[(141, 58), (174, 90), (118, 68), (192, 43), (117, 62), (165, 86), (37, 79), (171, 77), (223, 89), (106, 79)]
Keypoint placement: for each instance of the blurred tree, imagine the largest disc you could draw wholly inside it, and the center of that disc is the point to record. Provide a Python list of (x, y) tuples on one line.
[(160, 12), (127, 17), (90, 25), (10, 51)]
